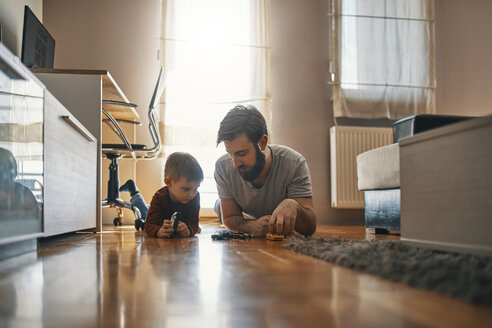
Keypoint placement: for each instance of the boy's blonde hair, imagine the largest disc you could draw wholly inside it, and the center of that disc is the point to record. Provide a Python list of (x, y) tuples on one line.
[(183, 164)]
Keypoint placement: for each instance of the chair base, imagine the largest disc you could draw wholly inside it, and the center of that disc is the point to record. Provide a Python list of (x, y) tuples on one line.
[(114, 199), (119, 203)]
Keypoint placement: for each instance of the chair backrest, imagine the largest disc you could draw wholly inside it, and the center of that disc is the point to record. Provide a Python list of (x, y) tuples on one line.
[(139, 151), (159, 88), (153, 114)]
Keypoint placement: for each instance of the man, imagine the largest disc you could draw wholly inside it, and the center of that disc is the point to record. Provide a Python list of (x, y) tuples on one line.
[(262, 188)]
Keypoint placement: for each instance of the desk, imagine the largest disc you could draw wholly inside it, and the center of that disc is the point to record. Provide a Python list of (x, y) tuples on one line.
[(110, 91), (83, 92)]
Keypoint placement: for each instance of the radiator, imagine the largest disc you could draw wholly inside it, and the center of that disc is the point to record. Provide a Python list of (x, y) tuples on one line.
[(346, 142)]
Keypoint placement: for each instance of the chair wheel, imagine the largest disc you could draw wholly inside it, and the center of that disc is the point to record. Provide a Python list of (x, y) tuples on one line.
[(117, 222), (139, 224)]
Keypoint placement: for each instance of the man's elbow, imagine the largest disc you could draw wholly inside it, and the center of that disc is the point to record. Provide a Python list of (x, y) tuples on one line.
[(229, 223), (309, 228), (307, 231)]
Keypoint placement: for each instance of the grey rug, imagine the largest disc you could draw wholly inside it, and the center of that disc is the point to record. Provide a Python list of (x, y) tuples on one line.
[(468, 277)]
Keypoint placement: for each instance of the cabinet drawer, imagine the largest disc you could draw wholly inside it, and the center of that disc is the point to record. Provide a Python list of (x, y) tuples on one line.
[(15, 78), (70, 172)]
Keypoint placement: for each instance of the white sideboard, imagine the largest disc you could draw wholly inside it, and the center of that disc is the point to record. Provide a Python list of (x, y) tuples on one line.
[(446, 187), (56, 160), (70, 163)]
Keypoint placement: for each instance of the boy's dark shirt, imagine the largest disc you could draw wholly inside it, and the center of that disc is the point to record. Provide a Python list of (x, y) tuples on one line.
[(162, 208)]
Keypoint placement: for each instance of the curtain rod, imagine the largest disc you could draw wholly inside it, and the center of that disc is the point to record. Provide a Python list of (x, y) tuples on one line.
[(381, 17), (383, 85)]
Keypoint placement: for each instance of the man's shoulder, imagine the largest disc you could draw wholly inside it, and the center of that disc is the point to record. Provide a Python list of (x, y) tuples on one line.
[(224, 162), (223, 158), (285, 152)]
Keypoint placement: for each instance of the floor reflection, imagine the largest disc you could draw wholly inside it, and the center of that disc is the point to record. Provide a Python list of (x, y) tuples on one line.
[(49, 289), (130, 289), (209, 277), (22, 297), (125, 279)]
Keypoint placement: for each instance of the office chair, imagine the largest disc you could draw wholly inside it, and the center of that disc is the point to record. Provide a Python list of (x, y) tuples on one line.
[(114, 152)]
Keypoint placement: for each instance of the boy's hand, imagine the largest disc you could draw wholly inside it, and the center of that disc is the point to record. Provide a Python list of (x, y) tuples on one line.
[(166, 230), (183, 230)]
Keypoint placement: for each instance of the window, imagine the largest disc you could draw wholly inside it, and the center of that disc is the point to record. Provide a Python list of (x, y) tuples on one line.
[(382, 60), (216, 55)]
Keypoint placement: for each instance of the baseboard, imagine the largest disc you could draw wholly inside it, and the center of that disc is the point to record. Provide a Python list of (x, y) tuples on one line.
[(449, 247)]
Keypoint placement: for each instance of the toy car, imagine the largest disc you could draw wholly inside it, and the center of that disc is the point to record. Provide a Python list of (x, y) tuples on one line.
[(228, 234), (274, 237)]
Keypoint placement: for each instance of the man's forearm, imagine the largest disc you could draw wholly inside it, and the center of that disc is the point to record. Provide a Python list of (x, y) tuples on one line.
[(236, 223), (256, 227)]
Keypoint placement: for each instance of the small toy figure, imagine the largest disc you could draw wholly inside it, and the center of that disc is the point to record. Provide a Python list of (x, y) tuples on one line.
[(274, 237), (175, 218)]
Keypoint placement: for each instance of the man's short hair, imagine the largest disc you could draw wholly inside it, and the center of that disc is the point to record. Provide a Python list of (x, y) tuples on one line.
[(180, 164), (242, 119)]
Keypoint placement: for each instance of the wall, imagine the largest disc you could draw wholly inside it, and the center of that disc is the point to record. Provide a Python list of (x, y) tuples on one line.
[(463, 57), (121, 36), (113, 35), (12, 21), (301, 97)]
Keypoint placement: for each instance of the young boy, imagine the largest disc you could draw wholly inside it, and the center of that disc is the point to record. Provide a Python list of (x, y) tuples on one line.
[(182, 176)]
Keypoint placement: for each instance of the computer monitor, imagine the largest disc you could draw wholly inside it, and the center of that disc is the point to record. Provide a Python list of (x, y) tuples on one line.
[(38, 46)]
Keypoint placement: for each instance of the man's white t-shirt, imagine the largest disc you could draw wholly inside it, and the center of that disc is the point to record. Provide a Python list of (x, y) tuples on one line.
[(288, 178)]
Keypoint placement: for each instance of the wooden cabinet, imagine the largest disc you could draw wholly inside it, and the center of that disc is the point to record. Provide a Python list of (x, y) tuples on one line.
[(48, 163), (70, 171), (21, 156), (83, 92)]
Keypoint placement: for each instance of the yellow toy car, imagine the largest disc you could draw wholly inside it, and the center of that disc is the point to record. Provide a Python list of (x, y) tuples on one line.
[(274, 236)]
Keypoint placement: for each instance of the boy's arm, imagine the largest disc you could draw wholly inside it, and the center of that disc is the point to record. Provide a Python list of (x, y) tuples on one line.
[(234, 220), (155, 215), (191, 216)]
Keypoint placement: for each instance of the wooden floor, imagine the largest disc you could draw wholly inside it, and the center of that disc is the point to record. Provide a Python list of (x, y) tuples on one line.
[(123, 278)]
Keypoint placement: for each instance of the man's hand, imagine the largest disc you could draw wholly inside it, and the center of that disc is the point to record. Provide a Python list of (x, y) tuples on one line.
[(166, 230), (183, 230), (283, 219), (259, 227), (292, 214), (235, 219), (256, 227)]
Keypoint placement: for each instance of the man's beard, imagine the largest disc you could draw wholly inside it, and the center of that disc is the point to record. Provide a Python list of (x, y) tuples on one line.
[(255, 171)]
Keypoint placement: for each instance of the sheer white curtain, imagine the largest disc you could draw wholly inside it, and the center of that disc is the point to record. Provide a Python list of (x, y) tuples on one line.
[(216, 53), (382, 60)]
